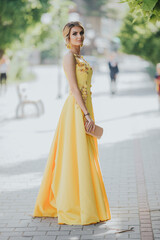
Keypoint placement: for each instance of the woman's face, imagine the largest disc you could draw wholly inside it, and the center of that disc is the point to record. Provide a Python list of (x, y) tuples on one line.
[(76, 36)]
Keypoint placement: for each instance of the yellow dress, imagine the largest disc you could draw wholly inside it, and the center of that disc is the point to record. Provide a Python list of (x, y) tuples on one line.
[(72, 187)]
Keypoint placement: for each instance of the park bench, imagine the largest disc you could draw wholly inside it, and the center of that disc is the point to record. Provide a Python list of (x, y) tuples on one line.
[(26, 98)]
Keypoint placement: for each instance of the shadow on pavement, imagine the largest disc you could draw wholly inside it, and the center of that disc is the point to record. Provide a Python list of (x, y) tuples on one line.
[(27, 166), (154, 113)]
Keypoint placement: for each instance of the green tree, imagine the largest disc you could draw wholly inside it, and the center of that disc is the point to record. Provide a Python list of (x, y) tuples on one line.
[(149, 9), (16, 16), (46, 36), (140, 38)]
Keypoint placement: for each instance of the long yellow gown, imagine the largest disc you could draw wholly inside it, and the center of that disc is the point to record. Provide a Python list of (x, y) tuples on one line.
[(72, 187)]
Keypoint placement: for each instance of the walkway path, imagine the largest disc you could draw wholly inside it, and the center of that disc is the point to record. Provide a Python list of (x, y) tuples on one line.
[(129, 158)]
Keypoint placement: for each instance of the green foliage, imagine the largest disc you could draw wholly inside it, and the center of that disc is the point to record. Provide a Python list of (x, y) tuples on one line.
[(149, 9), (140, 38), (24, 31), (16, 16)]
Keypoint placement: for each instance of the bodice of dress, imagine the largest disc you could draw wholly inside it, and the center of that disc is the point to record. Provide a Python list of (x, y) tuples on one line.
[(83, 74)]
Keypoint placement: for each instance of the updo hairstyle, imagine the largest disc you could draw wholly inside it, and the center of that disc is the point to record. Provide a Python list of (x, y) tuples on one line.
[(67, 29)]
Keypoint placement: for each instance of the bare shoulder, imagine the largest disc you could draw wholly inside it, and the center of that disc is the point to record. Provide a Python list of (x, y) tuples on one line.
[(68, 58)]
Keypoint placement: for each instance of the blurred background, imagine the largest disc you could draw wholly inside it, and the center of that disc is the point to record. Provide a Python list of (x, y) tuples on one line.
[(32, 44), (33, 85), (33, 89)]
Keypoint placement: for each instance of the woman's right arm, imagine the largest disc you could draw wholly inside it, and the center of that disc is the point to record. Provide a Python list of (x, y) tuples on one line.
[(69, 64)]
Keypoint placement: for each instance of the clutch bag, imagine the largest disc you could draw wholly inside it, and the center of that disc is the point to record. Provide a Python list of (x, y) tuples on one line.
[(98, 132)]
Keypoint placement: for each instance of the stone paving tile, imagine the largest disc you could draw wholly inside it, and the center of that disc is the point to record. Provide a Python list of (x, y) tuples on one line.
[(68, 237), (70, 227), (149, 229), (24, 229), (44, 238), (156, 235), (146, 238), (16, 225), (47, 219), (146, 225), (4, 238), (145, 221), (110, 236), (80, 232), (33, 233), (101, 232), (58, 233), (11, 233), (122, 237), (20, 238), (88, 237), (147, 234), (134, 235), (5, 229), (50, 228), (35, 224), (3, 225)]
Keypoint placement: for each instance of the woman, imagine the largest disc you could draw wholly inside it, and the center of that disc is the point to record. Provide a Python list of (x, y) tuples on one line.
[(72, 188)]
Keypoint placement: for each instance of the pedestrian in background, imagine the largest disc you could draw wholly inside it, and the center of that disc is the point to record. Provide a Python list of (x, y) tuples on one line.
[(113, 67), (157, 81), (3, 72)]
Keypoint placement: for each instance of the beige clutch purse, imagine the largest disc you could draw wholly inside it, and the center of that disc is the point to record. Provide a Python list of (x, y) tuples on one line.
[(98, 132)]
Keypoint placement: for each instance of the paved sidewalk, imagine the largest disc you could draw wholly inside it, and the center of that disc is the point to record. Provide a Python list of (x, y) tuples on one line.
[(129, 158)]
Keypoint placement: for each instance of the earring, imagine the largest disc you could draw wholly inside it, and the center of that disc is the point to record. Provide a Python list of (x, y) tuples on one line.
[(82, 45), (68, 45)]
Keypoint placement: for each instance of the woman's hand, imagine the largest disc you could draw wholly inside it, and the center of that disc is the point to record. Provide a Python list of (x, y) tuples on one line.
[(89, 124)]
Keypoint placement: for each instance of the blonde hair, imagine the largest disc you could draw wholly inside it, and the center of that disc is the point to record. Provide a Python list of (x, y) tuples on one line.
[(67, 29)]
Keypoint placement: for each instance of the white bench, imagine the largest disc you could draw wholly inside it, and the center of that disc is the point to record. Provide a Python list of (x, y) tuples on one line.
[(26, 98)]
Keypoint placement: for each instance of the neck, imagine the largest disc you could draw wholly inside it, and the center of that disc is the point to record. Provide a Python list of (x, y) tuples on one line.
[(76, 50)]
